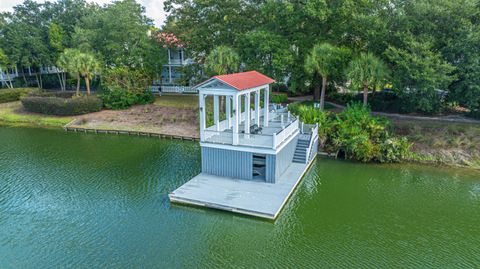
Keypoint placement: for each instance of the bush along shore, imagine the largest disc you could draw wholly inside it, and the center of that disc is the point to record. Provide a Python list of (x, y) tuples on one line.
[(355, 134)]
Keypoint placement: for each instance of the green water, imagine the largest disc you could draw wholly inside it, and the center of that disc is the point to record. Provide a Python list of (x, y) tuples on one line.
[(100, 201)]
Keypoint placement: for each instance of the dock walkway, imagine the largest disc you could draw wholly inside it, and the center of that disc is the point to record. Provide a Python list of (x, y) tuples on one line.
[(253, 198)]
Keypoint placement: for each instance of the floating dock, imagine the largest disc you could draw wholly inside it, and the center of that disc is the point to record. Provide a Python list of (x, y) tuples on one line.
[(254, 198)]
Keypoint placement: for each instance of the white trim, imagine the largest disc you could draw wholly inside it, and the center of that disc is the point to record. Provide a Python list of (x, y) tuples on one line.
[(251, 149)]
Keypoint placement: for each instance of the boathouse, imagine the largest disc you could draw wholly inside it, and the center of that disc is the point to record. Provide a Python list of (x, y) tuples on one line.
[(248, 146)]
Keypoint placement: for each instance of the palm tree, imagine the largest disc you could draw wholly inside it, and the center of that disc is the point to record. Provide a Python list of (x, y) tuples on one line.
[(366, 71), (68, 61), (222, 60), (88, 65), (323, 60)]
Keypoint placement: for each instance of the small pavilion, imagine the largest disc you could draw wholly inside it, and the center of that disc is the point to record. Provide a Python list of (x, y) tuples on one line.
[(252, 158), (235, 88)]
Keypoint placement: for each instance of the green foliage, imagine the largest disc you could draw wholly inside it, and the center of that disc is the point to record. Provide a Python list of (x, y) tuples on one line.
[(11, 95), (418, 67), (278, 98), (76, 105), (474, 114), (367, 71), (125, 87), (222, 60), (355, 134), (267, 52), (120, 98)]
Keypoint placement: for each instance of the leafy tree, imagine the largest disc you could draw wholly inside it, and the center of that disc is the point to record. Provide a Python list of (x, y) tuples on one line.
[(324, 60), (268, 53), (222, 60), (367, 71), (4, 63), (119, 32)]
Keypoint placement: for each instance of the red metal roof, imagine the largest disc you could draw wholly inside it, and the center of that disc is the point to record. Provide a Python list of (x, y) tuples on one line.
[(245, 80)]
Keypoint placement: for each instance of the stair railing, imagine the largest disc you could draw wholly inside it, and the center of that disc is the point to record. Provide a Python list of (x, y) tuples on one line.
[(310, 145)]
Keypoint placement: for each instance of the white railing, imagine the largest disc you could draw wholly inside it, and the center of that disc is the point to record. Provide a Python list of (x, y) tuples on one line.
[(313, 137), (178, 89), (255, 140), (218, 137), (285, 133)]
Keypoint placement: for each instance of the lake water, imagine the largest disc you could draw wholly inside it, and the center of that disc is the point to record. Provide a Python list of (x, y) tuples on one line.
[(100, 201)]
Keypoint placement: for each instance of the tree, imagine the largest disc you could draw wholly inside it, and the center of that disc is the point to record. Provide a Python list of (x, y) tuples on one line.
[(324, 60), (222, 60), (4, 63), (367, 71), (88, 65), (268, 53), (68, 61)]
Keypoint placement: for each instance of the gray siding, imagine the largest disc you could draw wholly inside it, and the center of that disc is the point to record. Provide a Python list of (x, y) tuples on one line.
[(227, 163), (270, 168), (284, 157)]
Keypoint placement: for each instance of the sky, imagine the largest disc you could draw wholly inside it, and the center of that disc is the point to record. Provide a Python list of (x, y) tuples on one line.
[(154, 8)]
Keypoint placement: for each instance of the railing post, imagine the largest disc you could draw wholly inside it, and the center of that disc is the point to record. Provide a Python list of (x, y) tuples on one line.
[(281, 121), (288, 116), (301, 129), (274, 141)]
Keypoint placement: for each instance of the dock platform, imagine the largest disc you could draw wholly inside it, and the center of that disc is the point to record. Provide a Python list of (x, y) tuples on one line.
[(247, 197)]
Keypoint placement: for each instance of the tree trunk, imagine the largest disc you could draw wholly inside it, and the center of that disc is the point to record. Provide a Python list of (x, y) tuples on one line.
[(38, 81), (24, 78), (60, 79), (87, 83), (41, 81), (78, 85), (365, 94), (316, 90), (9, 81), (322, 96)]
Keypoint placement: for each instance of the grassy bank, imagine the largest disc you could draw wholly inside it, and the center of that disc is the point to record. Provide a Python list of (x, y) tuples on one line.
[(12, 114), (442, 143)]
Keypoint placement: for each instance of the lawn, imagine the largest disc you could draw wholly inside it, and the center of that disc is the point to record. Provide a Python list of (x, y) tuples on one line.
[(12, 113)]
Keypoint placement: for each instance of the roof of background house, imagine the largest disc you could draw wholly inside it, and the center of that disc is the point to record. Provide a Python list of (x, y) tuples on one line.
[(243, 81)]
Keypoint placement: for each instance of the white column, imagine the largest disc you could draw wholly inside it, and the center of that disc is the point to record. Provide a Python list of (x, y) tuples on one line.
[(201, 101), (265, 106), (169, 74), (228, 109), (247, 113), (236, 118), (216, 112), (257, 107)]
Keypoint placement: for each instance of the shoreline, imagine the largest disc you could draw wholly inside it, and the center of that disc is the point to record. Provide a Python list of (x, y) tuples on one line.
[(11, 115)]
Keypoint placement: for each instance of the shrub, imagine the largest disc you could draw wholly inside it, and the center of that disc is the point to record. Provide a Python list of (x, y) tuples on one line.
[(66, 94), (125, 87), (425, 101), (355, 134), (62, 106), (474, 114), (120, 98), (278, 98), (10, 95)]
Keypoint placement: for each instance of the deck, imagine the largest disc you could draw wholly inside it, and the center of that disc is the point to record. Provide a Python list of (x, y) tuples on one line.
[(252, 198)]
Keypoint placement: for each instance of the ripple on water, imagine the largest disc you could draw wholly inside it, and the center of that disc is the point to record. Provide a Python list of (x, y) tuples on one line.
[(76, 200)]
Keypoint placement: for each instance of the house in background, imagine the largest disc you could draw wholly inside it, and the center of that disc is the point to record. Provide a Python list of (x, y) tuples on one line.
[(170, 79)]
